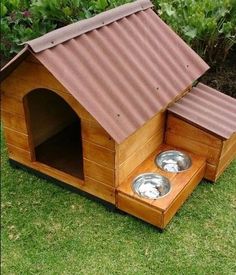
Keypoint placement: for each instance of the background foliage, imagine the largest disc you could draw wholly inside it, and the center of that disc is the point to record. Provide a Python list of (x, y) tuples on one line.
[(208, 26)]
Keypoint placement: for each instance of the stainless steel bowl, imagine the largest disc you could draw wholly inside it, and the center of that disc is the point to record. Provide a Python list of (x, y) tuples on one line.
[(151, 186), (173, 161)]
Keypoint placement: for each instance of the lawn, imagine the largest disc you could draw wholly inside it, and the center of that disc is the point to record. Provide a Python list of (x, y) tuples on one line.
[(47, 229)]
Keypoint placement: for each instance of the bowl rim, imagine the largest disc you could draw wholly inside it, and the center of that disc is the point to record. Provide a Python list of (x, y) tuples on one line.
[(151, 173), (170, 151)]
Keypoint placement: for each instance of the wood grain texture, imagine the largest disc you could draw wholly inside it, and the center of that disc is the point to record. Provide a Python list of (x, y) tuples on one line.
[(212, 154), (182, 184), (90, 186), (183, 195), (99, 154), (14, 122), (23, 80), (18, 153), (140, 210), (17, 139), (228, 154), (27, 71), (139, 156), (12, 105), (93, 132), (99, 172), (99, 189), (140, 137), (210, 173), (178, 126)]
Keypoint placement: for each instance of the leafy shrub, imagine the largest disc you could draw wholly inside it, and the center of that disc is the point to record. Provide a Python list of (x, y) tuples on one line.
[(208, 26), (22, 20)]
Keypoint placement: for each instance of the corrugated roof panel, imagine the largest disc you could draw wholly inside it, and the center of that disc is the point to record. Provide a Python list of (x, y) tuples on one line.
[(209, 109), (71, 31), (125, 72)]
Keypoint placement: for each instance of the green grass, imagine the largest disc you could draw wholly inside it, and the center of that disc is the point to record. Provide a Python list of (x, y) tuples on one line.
[(47, 229)]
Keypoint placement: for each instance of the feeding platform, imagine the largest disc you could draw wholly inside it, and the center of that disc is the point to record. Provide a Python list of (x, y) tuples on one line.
[(107, 105), (159, 211)]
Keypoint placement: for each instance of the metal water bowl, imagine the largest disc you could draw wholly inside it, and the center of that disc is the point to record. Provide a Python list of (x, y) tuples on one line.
[(151, 186), (173, 161)]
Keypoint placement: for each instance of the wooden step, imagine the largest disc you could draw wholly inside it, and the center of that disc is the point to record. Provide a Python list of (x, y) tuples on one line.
[(159, 212)]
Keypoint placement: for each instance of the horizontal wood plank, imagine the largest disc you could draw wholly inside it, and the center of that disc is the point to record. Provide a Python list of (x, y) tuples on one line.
[(27, 71), (99, 173), (183, 195), (94, 132), (16, 152), (140, 210), (226, 159), (12, 104), (139, 156), (180, 127), (212, 154), (141, 136), (14, 122), (17, 89), (228, 145), (16, 139), (98, 154), (99, 189)]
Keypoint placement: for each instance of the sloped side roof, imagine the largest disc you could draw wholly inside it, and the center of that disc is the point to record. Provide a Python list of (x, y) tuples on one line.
[(124, 71), (209, 109)]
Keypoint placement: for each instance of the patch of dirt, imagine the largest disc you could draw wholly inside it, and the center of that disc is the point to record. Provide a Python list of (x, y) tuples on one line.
[(223, 76)]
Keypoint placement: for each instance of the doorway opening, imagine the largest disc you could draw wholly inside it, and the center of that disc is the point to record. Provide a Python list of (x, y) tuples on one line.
[(55, 131)]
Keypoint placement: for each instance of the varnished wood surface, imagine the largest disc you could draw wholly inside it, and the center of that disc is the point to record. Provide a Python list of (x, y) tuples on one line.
[(182, 185), (93, 132), (189, 137)]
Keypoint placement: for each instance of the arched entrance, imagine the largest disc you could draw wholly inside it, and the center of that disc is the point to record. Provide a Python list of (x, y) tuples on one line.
[(55, 132)]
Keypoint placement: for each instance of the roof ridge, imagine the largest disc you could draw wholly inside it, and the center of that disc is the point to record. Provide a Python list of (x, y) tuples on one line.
[(73, 30)]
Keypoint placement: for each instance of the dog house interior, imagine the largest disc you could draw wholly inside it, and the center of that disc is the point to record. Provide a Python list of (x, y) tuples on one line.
[(55, 131), (97, 107)]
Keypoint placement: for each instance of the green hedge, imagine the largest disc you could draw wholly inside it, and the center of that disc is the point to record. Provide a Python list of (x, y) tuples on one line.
[(209, 26)]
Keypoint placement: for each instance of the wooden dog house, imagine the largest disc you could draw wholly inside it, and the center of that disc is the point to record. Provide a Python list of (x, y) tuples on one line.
[(92, 104)]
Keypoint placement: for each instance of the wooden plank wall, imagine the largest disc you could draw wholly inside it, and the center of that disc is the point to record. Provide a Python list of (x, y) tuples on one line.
[(98, 146), (218, 153), (136, 148), (228, 154)]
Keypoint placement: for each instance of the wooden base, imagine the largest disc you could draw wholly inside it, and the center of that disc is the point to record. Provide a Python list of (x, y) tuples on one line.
[(159, 212)]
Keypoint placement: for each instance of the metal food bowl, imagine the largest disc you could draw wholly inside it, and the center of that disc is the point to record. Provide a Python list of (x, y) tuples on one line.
[(151, 186), (173, 161)]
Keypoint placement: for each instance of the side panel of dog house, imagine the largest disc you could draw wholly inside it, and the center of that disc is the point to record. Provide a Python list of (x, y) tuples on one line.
[(219, 153), (227, 155), (136, 148), (21, 137)]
